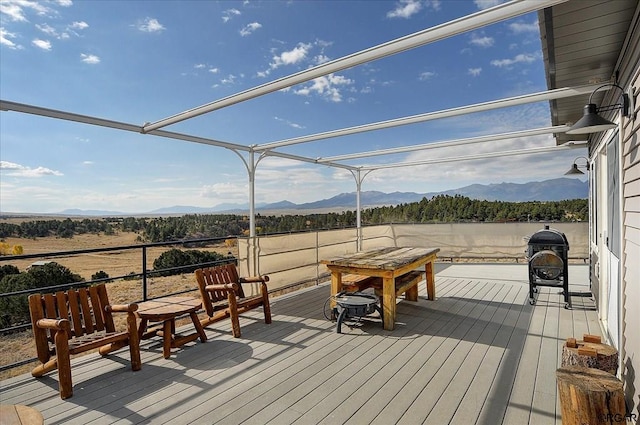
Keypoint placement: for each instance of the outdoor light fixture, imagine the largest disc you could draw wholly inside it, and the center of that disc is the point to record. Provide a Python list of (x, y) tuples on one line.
[(574, 170), (591, 122)]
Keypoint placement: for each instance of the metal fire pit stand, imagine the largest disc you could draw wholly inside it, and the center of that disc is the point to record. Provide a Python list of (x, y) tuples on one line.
[(354, 304)]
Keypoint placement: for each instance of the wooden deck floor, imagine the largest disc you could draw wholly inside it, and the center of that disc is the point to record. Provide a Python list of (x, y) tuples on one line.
[(478, 354)]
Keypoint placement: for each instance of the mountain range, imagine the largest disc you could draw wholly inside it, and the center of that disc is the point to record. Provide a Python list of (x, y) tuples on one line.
[(547, 190)]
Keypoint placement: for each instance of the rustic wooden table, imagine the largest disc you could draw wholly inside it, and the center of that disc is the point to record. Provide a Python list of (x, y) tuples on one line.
[(166, 310), (387, 263)]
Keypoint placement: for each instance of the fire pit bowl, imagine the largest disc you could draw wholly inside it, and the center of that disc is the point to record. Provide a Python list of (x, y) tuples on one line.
[(354, 304)]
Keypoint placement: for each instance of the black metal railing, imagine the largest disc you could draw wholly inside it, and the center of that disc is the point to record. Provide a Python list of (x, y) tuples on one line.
[(144, 274)]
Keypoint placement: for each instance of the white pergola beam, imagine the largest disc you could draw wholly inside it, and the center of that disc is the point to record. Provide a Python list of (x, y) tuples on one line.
[(309, 160), (6, 105), (448, 29), (530, 151), (449, 143), (446, 113)]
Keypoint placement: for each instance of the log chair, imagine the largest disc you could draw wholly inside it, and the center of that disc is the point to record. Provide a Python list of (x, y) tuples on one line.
[(75, 321), (223, 296)]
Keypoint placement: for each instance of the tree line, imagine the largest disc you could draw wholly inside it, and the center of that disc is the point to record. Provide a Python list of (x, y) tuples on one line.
[(439, 209)]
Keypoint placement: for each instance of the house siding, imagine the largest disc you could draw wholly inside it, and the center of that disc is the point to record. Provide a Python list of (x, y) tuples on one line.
[(630, 269)]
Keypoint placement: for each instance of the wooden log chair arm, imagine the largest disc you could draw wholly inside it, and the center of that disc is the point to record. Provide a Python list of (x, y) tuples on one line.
[(262, 299), (133, 338), (122, 308), (223, 296), (254, 279), (76, 321)]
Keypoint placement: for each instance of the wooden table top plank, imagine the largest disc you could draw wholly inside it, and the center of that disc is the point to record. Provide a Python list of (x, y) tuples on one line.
[(168, 306), (389, 258)]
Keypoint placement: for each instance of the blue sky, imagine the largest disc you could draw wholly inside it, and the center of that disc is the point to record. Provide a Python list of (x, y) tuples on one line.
[(141, 61)]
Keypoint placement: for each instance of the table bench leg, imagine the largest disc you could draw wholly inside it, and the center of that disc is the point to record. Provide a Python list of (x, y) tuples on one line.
[(389, 303), (412, 293), (431, 280)]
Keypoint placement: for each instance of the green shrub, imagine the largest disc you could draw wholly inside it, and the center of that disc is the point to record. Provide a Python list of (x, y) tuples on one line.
[(15, 309), (186, 261), (101, 275)]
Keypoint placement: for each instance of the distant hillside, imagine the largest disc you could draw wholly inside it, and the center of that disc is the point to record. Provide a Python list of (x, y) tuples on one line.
[(549, 190)]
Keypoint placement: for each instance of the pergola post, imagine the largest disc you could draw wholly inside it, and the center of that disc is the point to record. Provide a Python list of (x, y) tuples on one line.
[(358, 178), (251, 171)]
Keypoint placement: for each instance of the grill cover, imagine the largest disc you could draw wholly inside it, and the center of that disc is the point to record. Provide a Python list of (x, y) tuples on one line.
[(549, 237)]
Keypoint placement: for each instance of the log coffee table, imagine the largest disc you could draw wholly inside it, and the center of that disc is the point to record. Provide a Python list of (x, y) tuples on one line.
[(166, 310)]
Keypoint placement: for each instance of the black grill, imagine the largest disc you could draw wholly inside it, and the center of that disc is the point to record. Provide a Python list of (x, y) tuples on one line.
[(548, 254)]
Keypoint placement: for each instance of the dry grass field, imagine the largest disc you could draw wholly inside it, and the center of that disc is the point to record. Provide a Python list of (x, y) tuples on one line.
[(19, 346)]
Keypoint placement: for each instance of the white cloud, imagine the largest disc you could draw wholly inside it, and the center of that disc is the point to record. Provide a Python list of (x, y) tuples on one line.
[(150, 25), (474, 72), (4, 39), (426, 75), (17, 170), (47, 29), (214, 70), (405, 9), (43, 44), (90, 59), (481, 41), (523, 27), (230, 79), (494, 170), (87, 162), (327, 87), (199, 66), (298, 54), (485, 4), (62, 34), (320, 59), (285, 179), (65, 3), (15, 9), (228, 191), (289, 123), (79, 25), (249, 29), (521, 58), (291, 57), (229, 13)]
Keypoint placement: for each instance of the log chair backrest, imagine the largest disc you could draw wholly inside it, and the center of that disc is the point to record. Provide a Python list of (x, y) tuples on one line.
[(218, 275), (84, 308)]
